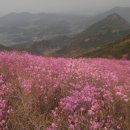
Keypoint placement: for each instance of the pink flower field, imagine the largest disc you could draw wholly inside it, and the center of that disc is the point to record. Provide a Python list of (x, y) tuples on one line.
[(39, 93)]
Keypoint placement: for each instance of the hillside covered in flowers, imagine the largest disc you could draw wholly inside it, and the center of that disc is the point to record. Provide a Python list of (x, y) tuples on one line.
[(40, 93)]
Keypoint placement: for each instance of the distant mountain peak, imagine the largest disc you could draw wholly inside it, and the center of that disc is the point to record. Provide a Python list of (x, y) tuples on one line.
[(113, 21), (110, 23), (116, 17), (117, 8)]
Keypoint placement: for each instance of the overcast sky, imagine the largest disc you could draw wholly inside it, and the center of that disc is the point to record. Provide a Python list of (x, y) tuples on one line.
[(82, 6)]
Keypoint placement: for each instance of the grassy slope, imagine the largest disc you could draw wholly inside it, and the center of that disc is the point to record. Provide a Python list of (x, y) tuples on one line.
[(119, 49)]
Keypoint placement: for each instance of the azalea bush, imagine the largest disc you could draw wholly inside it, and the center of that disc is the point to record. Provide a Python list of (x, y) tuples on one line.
[(40, 93)]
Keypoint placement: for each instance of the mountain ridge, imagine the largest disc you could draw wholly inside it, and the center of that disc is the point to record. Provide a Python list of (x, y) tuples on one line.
[(25, 27), (105, 31)]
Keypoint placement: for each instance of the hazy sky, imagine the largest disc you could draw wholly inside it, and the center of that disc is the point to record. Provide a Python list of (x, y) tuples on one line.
[(88, 6)]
